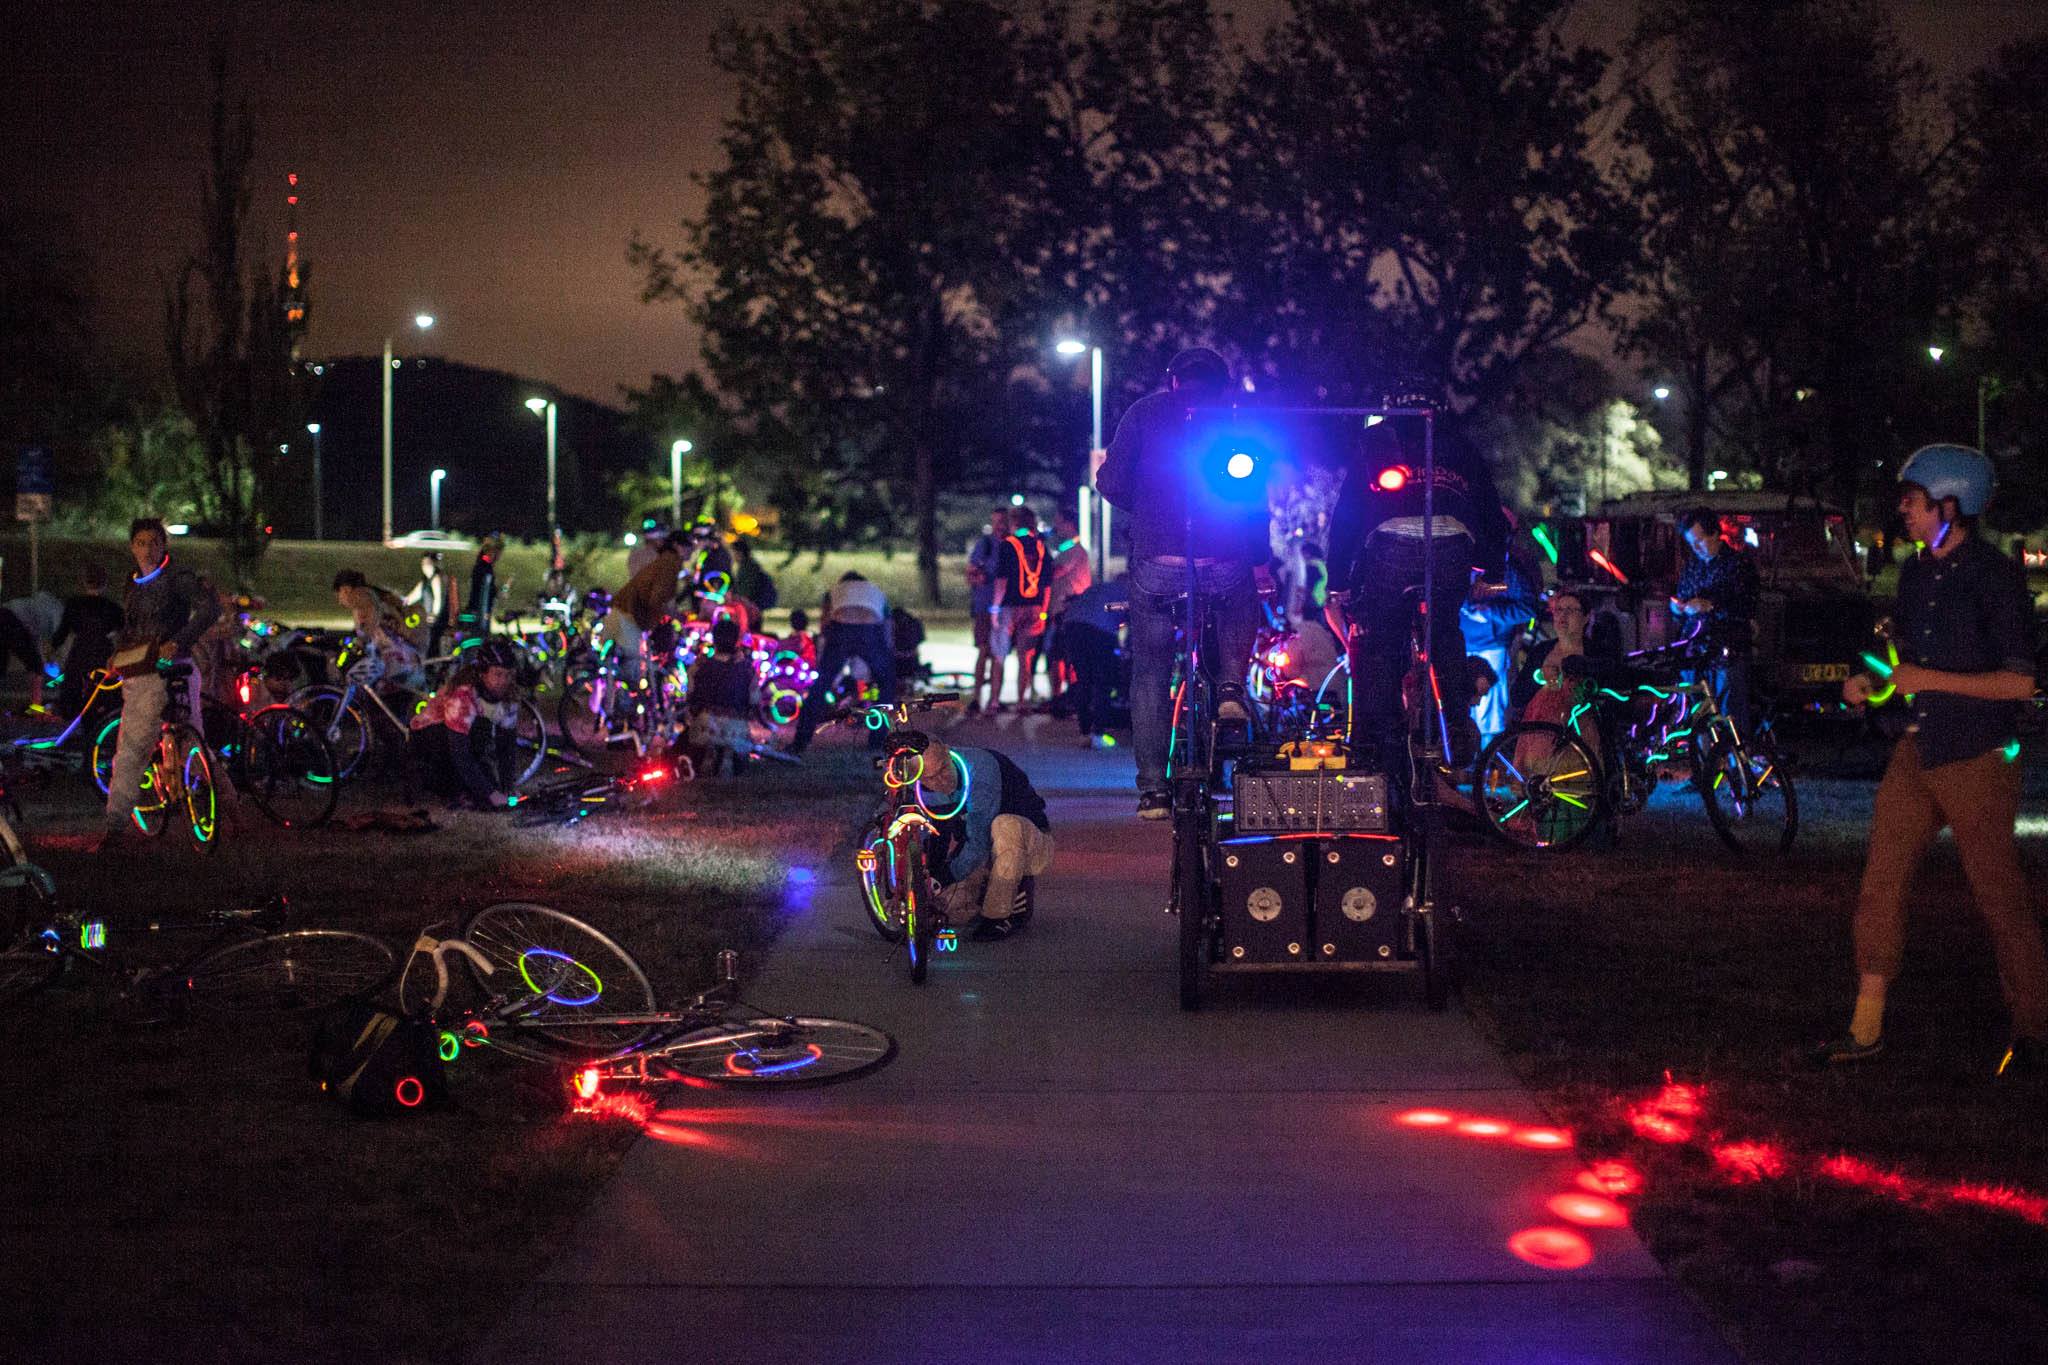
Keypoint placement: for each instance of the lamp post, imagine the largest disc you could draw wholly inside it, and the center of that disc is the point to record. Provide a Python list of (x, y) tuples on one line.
[(543, 407), (1935, 353), (675, 482), (313, 430), (434, 497), (1073, 346), (423, 321)]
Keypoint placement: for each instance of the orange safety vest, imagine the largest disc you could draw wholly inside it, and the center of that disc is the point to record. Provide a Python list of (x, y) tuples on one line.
[(1029, 575)]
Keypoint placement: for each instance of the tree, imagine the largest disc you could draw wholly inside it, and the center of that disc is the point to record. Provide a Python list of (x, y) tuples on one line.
[(1560, 441), (853, 251), (1789, 187), (721, 470), (1418, 196), (231, 345)]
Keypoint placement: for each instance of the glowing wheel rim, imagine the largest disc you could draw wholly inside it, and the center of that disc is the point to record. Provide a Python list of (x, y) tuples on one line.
[(549, 991), (747, 1064)]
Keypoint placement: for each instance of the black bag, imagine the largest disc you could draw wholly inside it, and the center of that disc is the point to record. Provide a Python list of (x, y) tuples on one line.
[(378, 1063)]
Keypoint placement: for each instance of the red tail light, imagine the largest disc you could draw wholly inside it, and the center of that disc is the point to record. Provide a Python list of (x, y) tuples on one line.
[(1392, 479), (1604, 562), (650, 776), (245, 687)]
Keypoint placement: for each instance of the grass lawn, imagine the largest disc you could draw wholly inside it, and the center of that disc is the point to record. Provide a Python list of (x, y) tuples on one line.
[(183, 1193), (1601, 970)]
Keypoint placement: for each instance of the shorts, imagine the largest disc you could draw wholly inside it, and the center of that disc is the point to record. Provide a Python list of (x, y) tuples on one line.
[(1016, 627)]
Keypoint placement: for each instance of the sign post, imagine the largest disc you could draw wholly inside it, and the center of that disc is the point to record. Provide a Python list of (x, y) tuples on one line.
[(34, 485)]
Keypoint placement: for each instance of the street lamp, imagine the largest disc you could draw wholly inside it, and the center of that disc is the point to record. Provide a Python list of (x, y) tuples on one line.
[(675, 482), (313, 430), (434, 497), (542, 407), (1935, 353), (1090, 499), (1661, 393), (423, 321)]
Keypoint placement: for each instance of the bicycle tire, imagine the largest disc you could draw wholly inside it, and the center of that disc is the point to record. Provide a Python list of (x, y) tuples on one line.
[(27, 962), (799, 1051), (342, 725), (103, 746), (1191, 904), (920, 922), (1530, 810), (530, 742), (199, 797), (513, 935), (148, 806), (879, 895), (287, 768), (297, 972), (1737, 787), (1432, 955)]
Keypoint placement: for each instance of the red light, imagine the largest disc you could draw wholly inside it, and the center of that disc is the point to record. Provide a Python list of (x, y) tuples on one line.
[(1650, 1124), (1588, 1210), (2031, 1207), (1679, 1101), (1542, 1137), (1551, 1248), (1611, 1178), (1423, 1118), (1742, 1162), (1852, 1171), (1483, 1128), (244, 689), (1392, 479), (292, 177), (1604, 562), (654, 774), (409, 1092), (586, 1083)]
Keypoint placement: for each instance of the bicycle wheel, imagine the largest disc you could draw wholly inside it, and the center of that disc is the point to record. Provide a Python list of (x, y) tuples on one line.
[(27, 960), (300, 971), (763, 1051), (340, 723), (103, 746), (590, 714), (1749, 797), (198, 800), (550, 968), (1433, 955), (920, 908), (1190, 901), (1540, 786), (880, 894), (287, 769), (530, 743)]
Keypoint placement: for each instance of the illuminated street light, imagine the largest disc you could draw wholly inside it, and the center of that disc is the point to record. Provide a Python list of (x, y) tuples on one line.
[(1092, 502), (1935, 353), (313, 430), (1069, 346), (1661, 392), (434, 497), (542, 407), (676, 452), (423, 321)]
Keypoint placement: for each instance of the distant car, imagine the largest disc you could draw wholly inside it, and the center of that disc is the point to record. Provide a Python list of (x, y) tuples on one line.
[(430, 540)]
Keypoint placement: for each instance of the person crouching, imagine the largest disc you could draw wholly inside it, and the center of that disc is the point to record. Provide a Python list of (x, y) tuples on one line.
[(465, 738), (994, 821)]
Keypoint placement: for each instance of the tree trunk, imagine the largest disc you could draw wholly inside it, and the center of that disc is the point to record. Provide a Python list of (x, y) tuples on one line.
[(1696, 425), (927, 524)]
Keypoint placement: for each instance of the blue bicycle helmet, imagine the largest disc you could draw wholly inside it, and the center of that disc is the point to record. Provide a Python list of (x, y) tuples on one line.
[(1946, 471)]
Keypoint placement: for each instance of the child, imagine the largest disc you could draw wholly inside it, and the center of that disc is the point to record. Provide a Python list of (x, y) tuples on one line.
[(721, 704), (800, 638)]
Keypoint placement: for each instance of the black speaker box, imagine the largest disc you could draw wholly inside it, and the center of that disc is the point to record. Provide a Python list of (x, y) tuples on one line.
[(1359, 886), (1263, 884)]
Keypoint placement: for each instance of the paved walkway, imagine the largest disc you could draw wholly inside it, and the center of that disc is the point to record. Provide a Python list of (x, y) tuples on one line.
[(1061, 1166)]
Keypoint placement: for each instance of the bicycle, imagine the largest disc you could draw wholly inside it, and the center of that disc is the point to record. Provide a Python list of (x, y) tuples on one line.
[(601, 712), (544, 986), (894, 858), (1547, 786), (573, 801), (350, 728), (177, 779), (250, 966)]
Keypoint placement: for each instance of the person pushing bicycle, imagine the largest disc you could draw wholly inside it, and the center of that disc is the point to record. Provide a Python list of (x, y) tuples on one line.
[(166, 610), (1378, 552), (994, 824), (1175, 545), (1963, 639)]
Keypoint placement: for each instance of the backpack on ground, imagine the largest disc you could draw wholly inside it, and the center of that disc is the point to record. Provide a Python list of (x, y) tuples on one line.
[(378, 1063)]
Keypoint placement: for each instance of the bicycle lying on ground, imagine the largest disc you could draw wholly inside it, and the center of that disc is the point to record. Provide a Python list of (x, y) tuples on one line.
[(1543, 785), (546, 987), (895, 854)]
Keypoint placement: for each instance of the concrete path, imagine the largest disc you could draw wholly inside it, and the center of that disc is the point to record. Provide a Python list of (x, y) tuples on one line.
[(1061, 1166)]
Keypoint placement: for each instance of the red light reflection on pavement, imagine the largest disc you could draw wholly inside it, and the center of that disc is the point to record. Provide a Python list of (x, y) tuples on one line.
[(1742, 1162), (1588, 1210), (2004, 1198), (1856, 1171), (1483, 1128), (1657, 1127), (1549, 1248), (1423, 1118), (1553, 1138), (1614, 1178)]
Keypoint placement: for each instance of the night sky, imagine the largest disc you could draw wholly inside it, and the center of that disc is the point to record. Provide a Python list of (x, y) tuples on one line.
[(484, 160)]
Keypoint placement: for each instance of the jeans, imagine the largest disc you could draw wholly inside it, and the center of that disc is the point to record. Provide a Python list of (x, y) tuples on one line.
[(843, 642), (1391, 566), (1234, 606)]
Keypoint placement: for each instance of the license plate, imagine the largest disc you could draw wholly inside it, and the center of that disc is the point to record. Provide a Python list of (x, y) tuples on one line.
[(1823, 673)]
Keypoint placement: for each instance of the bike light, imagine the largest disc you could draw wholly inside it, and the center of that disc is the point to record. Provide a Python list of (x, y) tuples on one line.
[(409, 1092), (657, 773), (1604, 562), (1392, 479), (1239, 466), (586, 1082)]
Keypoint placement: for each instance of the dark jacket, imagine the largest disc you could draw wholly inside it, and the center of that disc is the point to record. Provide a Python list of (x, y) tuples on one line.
[(1150, 474), (1464, 493), (172, 606)]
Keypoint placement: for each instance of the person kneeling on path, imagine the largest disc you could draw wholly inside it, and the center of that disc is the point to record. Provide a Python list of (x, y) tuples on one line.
[(465, 736), (994, 822)]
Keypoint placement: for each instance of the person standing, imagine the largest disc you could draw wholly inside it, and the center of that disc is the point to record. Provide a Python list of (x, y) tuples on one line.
[(90, 624), (1179, 541), (437, 600), (1963, 636), (981, 585), (1023, 590), (1718, 593), (856, 627), (647, 599), (27, 624), (167, 609), (1071, 576), (483, 588), (1088, 631)]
